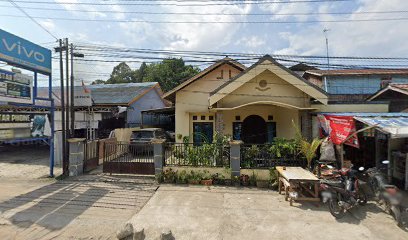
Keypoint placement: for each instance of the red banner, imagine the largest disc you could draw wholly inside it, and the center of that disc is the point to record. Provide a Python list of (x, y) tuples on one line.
[(338, 128)]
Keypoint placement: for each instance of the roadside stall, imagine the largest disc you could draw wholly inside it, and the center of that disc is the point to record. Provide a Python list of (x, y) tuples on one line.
[(377, 137)]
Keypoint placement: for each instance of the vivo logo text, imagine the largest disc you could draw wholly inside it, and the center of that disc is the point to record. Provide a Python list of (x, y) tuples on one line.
[(22, 51)]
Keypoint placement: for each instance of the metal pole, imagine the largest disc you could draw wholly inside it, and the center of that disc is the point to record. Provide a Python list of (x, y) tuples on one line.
[(63, 144), (72, 93), (67, 112), (67, 128), (325, 31)]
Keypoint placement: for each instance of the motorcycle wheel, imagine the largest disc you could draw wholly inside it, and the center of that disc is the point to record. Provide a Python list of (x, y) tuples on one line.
[(362, 198), (396, 213), (335, 209)]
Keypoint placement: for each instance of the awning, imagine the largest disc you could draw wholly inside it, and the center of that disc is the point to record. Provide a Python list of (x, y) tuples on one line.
[(397, 127)]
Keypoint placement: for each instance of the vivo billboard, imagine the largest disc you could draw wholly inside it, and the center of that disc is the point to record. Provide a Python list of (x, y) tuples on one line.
[(18, 51)]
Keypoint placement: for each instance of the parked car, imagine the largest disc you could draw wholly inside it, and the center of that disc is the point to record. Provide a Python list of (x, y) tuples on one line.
[(141, 140)]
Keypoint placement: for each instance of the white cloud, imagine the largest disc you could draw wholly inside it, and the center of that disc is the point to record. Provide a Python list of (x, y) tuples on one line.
[(48, 24), (251, 42), (380, 38)]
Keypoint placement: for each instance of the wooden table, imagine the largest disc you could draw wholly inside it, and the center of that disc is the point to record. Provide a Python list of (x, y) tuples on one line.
[(298, 180)]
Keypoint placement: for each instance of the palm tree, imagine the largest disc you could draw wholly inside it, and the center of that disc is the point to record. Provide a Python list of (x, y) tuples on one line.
[(308, 149)]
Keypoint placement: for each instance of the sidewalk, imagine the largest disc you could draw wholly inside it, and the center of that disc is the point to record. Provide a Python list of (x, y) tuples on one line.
[(198, 212)]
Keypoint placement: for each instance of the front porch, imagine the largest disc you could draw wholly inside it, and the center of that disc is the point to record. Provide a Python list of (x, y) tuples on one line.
[(256, 123)]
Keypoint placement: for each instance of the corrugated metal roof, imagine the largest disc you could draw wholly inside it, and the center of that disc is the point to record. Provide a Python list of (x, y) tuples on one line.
[(104, 93), (118, 93), (360, 114), (341, 72), (396, 126)]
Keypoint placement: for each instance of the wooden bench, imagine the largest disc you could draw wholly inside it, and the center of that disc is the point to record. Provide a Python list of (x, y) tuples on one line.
[(284, 185)]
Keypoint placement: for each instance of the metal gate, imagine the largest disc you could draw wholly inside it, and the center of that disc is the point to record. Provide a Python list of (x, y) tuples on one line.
[(91, 158), (128, 158)]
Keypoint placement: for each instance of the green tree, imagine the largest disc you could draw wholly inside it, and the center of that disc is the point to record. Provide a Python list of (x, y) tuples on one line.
[(122, 73), (169, 73), (98, 81)]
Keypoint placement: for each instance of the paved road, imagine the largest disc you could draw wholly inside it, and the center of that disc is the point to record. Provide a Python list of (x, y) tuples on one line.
[(198, 212), (86, 207)]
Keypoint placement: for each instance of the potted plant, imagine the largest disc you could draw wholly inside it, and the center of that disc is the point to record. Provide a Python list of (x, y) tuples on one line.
[(206, 179), (182, 177), (252, 179), (273, 179), (306, 148), (236, 181), (244, 180), (194, 178), (169, 176)]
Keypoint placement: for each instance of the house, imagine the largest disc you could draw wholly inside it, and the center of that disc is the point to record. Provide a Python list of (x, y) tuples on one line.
[(96, 112), (354, 85), (396, 94), (254, 104), (136, 97)]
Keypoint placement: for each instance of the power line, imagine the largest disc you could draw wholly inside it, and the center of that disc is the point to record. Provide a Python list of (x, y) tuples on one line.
[(177, 4), (213, 22), (25, 13), (214, 14)]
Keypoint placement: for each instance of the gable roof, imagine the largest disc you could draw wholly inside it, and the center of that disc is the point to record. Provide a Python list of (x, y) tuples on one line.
[(170, 95), (396, 87), (351, 72), (108, 94), (290, 76)]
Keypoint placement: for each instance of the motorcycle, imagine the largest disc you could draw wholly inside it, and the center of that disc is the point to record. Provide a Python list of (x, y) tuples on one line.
[(344, 193), (385, 194)]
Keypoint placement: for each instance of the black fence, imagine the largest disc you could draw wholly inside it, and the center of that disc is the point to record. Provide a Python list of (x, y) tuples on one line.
[(205, 155), (128, 158), (268, 156)]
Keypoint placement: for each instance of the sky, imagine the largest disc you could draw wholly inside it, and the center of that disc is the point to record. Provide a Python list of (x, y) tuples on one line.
[(294, 28)]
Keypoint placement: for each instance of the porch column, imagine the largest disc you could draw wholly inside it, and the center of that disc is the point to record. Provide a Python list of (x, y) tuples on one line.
[(219, 122), (306, 123), (235, 158)]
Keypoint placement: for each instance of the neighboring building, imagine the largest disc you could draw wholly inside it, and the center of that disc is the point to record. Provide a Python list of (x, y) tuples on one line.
[(354, 85), (135, 96), (98, 114), (254, 104), (395, 94)]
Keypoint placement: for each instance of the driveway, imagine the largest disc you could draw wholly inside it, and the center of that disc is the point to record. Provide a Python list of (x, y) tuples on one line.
[(85, 207), (26, 161), (198, 212)]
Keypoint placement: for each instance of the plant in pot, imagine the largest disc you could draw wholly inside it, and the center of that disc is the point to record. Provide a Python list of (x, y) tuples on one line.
[(206, 179), (194, 178), (182, 177), (218, 179), (169, 176), (244, 180), (252, 179), (236, 181), (307, 148), (273, 179)]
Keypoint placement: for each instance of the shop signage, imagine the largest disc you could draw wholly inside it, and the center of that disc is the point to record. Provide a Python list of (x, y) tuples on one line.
[(339, 128), (37, 125), (82, 98), (18, 51), (15, 87)]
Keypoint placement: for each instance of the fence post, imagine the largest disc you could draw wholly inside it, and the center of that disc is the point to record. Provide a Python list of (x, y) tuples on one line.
[(158, 152), (77, 156), (235, 157)]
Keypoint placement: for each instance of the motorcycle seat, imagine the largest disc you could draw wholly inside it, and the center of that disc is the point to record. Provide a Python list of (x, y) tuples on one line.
[(333, 183)]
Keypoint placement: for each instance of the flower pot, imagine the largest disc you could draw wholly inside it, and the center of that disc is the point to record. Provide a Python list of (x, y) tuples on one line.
[(228, 182), (194, 182), (262, 184), (208, 182)]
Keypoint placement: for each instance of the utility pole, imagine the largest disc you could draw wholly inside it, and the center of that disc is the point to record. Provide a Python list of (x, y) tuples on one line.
[(63, 142), (325, 32), (72, 93), (80, 55), (67, 112)]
